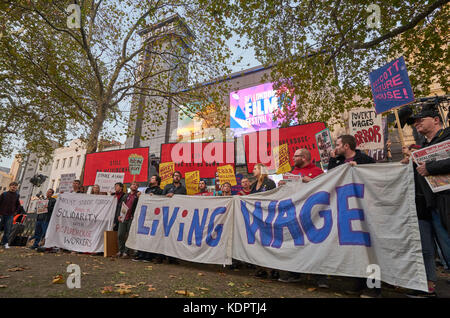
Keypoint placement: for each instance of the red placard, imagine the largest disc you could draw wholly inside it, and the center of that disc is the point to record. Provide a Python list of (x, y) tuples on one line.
[(202, 156), (259, 145), (115, 161)]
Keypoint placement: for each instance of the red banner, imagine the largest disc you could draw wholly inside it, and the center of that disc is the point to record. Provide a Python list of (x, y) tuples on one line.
[(205, 157), (117, 161), (259, 145)]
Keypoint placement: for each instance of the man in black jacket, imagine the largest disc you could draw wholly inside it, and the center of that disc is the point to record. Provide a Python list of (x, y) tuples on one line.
[(346, 152), (43, 219), (432, 208), (154, 186), (176, 187), (9, 205)]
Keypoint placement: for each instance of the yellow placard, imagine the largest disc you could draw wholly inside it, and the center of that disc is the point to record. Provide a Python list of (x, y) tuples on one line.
[(281, 158), (166, 171), (226, 174), (192, 179)]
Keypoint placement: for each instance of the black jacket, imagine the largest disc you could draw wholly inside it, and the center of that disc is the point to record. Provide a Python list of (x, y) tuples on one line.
[(118, 208), (425, 198), (360, 158), (154, 190), (47, 216), (170, 188), (268, 184)]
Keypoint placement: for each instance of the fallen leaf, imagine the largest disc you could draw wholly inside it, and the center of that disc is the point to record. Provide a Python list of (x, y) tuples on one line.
[(121, 273), (172, 276), (185, 293), (134, 296), (246, 285), (337, 294), (16, 269), (245, 293), (201, 274), (5, 276), (59, 279), (123, 291), (107, 290), (231, 284), (151, 289), (222, 274), (311, 289), (3, 286), (148, 268), (141, 283), (202, 288)]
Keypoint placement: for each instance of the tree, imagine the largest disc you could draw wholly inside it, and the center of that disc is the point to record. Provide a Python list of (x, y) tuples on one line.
[(323, 51), (66, 72)]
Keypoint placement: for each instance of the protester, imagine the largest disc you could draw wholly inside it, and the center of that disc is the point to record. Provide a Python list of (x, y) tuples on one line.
[(95, 189), (202, 189), (130, 200), (9, 206), (118, 188), (432, 208), (152, 189), (169, 190), (176, 187), (245, 183), (76, 187), (346, 152), (263, 182), (226, 189), (43, 219)]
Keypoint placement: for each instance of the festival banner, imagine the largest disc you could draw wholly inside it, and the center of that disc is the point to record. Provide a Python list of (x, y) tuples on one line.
[(205, 157), (440, 151), (117, 161), (66, 182), (185, 227), (258, 145), (166, 171), (337, 224), (107, 180), (366, 126), (191, 180), (226, 174), (390, 86), (79, 220), (325, 146)]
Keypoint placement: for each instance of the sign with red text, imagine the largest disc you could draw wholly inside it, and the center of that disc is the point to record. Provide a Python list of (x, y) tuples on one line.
[(79, 220), (191, 180), (366, 126), (202, 156), (107, 180), (259, 145), (166, 171), (66, 183), (132, 162), (226, 174), (390, 86)]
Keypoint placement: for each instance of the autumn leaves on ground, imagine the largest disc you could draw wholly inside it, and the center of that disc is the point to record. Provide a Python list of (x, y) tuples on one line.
[(27, 273)]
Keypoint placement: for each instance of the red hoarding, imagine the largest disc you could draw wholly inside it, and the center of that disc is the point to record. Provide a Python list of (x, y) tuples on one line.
[(259, 145), (205, 157), (117, 161)]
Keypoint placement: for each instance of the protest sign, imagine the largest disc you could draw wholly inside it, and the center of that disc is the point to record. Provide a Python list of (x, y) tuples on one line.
[(107, 180), (366, 126), (79, 220), (65, 185), (291, 177), (390, 86), (189, 228), (281, 158), (351, 213), (191, 180), (226, 174), (41, 206), (166, 171), (135, 162), (325, 146), (435, 152)]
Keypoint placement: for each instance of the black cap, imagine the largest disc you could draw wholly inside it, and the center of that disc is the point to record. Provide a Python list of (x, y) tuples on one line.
[(422, 114)]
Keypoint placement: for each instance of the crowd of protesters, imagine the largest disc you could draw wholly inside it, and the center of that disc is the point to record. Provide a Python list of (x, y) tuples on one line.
[(433, 209)]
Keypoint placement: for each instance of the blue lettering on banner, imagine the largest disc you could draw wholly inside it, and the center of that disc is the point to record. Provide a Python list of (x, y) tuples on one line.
[(197, 228), (345, 215), (168, 225), (316, 235), (264, 227), (286, 218), (218, 229), (142, 229)]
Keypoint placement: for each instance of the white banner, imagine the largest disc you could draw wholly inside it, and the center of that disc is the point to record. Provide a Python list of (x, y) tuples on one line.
[(337, 224), (189, 228), (366, 126), (79, 220), (107, 180)]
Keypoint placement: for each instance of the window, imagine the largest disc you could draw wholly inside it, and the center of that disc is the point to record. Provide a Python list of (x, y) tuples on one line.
[(64, 163), (57, 164), (78, 160), (70, 161)]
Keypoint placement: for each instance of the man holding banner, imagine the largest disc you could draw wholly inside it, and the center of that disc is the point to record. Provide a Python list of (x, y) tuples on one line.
[(43, 219), (176, 187), (346, 152), (432, 208)]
